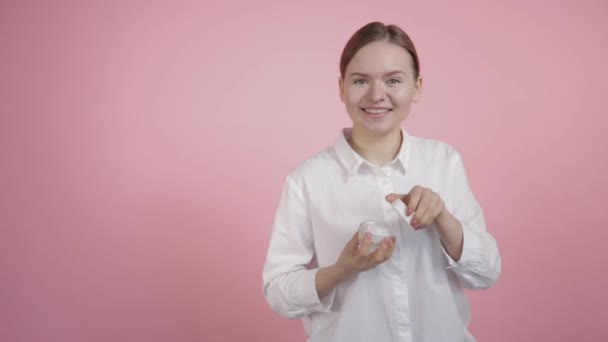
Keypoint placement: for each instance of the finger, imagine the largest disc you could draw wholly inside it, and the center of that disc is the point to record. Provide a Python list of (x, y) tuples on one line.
[(427, 218), (423, 208), (393, 197), (414, 198), (354, 242), (380, 255), (434, 211), (392, 248), (365, 247), (385, 251)]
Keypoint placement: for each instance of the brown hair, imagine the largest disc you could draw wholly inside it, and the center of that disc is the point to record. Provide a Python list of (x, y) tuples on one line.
[(378, 31)]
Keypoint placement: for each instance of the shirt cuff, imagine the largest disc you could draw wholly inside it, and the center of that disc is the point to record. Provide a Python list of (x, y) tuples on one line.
[(471, 245), (311, 295)]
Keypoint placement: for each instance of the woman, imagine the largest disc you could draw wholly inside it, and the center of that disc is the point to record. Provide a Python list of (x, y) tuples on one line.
[(411, 287)]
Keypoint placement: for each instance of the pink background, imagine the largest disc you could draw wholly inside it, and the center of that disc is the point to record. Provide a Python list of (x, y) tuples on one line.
[(143, 146)]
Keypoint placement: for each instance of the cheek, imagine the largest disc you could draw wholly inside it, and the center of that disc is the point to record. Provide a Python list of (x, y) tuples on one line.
[(402, 96), (354, 96)]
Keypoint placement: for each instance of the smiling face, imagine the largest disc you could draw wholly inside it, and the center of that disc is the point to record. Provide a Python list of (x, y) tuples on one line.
[(379, 87)]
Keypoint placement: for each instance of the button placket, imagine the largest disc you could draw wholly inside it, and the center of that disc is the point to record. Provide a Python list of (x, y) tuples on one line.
[(386, 184), (386, 187), (383, 175)]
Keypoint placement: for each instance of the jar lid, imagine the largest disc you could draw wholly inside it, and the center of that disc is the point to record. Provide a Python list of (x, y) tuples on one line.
[(375, 227)]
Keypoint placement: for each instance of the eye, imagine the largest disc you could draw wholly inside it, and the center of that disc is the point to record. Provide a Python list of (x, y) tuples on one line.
[(359, 81), (394, 81)]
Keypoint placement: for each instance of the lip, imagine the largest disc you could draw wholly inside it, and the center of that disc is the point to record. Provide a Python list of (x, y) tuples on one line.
[(376, 115)]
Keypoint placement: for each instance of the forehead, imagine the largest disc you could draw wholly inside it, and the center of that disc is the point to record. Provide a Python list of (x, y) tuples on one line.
[(378, 58)]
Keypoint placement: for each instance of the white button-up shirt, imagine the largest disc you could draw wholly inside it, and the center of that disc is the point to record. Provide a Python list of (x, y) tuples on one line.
[(417, 295)]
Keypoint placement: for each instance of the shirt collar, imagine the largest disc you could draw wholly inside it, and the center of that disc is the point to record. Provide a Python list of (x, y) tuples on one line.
[(352, 161)]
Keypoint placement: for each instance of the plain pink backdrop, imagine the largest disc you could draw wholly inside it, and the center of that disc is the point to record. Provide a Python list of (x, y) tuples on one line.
[(143, 146)]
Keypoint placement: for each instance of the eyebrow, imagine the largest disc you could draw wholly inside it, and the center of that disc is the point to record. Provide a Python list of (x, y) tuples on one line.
[(387, 74)]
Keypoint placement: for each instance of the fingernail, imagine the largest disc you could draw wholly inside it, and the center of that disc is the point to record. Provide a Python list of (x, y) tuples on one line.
[(394, 238), (368, 235), (414, 222)]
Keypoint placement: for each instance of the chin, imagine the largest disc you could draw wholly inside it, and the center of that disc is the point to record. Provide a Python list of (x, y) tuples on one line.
[(380, 129)]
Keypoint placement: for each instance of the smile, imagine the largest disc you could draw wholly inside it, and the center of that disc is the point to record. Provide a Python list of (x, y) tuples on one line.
[(376, 110)]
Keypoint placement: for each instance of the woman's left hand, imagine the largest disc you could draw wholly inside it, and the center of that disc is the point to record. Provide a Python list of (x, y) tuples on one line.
[(426, 205)]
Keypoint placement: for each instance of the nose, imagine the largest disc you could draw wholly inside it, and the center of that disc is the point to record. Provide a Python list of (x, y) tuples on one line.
[(377, 92)]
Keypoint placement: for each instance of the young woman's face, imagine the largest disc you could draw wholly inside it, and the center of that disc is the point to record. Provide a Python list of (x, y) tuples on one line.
[(379, 88)]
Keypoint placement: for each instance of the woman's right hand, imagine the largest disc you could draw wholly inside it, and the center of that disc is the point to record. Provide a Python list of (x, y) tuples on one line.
[(356, 257)]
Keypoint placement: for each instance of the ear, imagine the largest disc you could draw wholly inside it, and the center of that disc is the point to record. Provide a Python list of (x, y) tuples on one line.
[(341, 88), (417, 90)]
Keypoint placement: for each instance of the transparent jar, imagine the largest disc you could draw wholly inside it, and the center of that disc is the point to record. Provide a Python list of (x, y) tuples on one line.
[(379, 231)]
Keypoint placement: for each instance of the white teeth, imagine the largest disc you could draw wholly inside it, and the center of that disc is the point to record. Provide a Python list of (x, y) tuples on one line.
[(376, 110)]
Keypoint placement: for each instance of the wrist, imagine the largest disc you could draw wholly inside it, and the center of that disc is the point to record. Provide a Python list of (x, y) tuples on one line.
[(341, 272), (444, 219)]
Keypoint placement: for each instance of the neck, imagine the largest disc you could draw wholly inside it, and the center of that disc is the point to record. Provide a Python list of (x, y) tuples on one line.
[(376, 149)]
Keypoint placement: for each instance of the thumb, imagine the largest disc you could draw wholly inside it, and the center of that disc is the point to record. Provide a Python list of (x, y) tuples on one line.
[(393, 197), (354, 242)]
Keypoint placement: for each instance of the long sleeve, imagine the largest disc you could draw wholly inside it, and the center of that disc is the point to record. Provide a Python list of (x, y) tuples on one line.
[(480, 265), (288, 285)]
